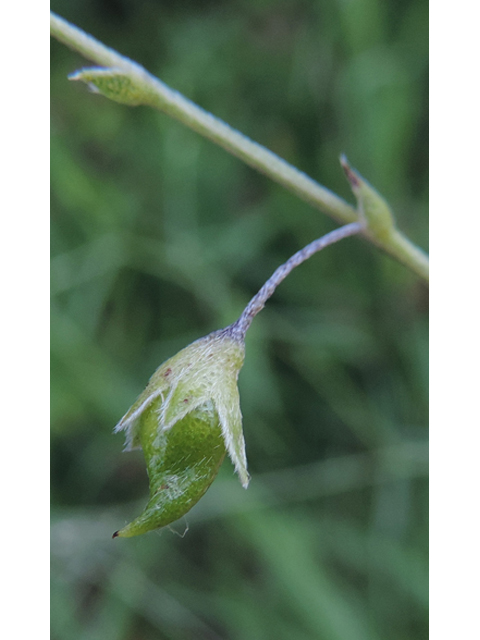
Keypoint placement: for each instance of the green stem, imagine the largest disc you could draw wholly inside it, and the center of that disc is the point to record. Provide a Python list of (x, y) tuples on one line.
[(161, 97), (401, 248)]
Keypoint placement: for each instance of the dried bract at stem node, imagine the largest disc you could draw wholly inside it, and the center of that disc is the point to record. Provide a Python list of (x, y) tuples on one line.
[(374, 212)]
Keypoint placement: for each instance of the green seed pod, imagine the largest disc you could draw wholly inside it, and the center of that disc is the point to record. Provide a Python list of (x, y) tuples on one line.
[(185, 421), (181, 465)]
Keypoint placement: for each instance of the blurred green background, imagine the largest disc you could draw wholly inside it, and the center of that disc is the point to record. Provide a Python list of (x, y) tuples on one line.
[(158, 238)]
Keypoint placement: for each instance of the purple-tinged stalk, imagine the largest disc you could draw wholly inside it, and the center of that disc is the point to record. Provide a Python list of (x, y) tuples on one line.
[(258, 301)]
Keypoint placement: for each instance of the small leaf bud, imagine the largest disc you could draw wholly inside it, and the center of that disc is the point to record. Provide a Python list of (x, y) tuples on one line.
[(113, 84), (374, 211)]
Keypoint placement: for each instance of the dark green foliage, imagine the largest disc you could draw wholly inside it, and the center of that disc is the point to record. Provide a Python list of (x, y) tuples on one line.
[(158, 238)]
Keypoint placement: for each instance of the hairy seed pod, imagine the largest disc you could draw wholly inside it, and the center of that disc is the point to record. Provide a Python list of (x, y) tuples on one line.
[(185, 421), (181, 464)]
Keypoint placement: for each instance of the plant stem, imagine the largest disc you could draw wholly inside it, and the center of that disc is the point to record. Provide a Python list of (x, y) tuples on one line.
[(160, 96), (401, 248), (258, 301)]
